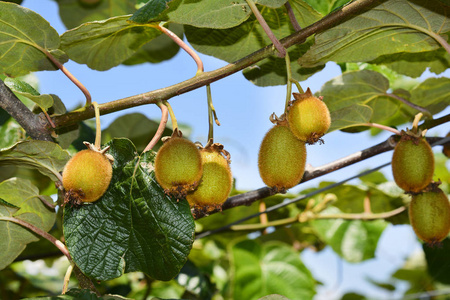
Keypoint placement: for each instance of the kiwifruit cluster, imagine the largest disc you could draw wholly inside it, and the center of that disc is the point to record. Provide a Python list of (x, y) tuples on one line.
[(282, 155), (201, 175), (413, 169)]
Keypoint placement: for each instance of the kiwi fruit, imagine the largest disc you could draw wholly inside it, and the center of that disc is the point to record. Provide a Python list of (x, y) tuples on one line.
[(429, 215), (308, 116), (282, 158), (86, 176), (217, 180), (412, 163), (178, 166)]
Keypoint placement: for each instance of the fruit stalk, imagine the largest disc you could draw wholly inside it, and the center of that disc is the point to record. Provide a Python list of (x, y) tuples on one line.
[(161, 127)]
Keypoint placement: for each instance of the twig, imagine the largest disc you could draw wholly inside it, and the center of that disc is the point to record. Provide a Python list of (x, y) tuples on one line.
[(281, 50), (185, 47), (34, 125), (40, 232), (208, 77), (161, 127), (69, 75), (291, 16), (410, 104)]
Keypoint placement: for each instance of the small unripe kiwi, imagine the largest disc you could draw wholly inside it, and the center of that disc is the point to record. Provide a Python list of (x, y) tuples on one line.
[(178, 166), (282, 158), (308, 116), (216, 182), (429, 214), (412, 163), (86, 176)]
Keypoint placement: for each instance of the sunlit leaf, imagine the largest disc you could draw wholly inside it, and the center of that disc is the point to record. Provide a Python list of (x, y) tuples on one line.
[(272, 268), (21, 87), (353, 115), (47, 157), (353, 240), (74, 13), (105, 44), (394, 26), (134, 226), (24, 204), (24, 37)]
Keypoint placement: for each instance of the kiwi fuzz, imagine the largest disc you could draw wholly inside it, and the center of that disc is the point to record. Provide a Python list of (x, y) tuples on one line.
[(216, 182), (178, 166), (429, 215), (86, 176), (308, 116), (282, 159), (412, 163)]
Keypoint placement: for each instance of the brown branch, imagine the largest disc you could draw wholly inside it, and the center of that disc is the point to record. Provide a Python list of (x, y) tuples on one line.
[(205, 78), (249, 197), (34, 125)]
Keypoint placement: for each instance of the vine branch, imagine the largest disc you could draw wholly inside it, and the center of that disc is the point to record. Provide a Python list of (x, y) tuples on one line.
[(208, 77)]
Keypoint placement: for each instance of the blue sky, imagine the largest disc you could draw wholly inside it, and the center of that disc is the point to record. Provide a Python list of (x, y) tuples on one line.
[(243, 110)]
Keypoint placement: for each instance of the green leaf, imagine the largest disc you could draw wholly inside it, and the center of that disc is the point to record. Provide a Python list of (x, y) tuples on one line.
[(432, 94), (326, 6), (45, 101), (273, 297), (24, 37), (353, 115), (394, 26), (136, 127), (438, 261), (272, 268), (10, 131), (134, 226), (205, 13), (159, 49), (47, 157), (73, 13), (105, 44), (28, 207), (152, 10), (354, 240), (234, 43)]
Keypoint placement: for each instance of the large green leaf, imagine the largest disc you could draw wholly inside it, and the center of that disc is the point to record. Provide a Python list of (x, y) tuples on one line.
[(105, 44), (272, 268), (350, 116), (45, 101), (205, 13), (354, 240), (326, 6), (73, 13), (78, 294), (134, 226), (393, 26), (47, 157), (24, 204), (237, 42), (438, 261), (24, 36), (432, 94), (10, 131)]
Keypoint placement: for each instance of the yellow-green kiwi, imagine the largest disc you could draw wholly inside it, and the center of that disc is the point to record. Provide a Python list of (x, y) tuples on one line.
[(86, 176), (308, 116), (412, 163), (429, 215), (216, 182), (178, 166), (446, 148), (282, 158)]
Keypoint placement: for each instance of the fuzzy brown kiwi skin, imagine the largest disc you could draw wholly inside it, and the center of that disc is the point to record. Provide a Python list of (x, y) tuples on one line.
[(178, 166), (86, 177), (281, 159), (412, 163), (429, 214)]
